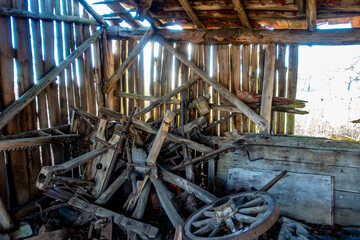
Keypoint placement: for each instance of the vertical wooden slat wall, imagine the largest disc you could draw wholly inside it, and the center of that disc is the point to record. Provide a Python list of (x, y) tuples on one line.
[(30, 49), (238, 67)]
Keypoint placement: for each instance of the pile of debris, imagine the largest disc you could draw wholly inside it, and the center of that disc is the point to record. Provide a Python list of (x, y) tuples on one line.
[(135, 176)]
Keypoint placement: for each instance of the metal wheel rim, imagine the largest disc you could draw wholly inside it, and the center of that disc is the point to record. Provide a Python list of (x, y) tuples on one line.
[(259, 227)]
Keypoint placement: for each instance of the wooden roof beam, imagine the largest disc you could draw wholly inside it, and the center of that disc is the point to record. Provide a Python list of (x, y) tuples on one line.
[(116, 7), (191, 13), (242, 13), (92, 12), (311, 14), (226, 36)]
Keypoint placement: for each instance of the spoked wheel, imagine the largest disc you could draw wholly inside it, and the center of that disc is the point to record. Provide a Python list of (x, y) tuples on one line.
[(242, 216)]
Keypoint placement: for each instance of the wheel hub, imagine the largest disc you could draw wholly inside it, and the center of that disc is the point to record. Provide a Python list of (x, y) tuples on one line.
[(224, 208)]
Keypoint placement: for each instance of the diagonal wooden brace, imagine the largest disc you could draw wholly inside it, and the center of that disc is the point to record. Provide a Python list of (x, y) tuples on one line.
[(256, 118)]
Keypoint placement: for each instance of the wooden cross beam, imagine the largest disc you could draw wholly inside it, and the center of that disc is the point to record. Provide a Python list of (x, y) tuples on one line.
[(257, 119), (19, 13), (129, 60), (311, 14), (191, 13), (43, 82), (242, 13)]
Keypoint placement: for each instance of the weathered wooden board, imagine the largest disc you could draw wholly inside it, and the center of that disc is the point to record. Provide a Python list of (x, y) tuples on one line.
[(295, 160), (306, 197), (347, 208)]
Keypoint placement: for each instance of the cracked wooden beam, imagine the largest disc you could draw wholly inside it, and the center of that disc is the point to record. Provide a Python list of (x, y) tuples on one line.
[(311, 15), (191, 13), (251, 114), (239, 7), (129, 60)]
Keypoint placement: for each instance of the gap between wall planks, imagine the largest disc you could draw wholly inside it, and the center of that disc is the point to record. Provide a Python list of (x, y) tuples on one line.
[(237, 67), (35, 56)]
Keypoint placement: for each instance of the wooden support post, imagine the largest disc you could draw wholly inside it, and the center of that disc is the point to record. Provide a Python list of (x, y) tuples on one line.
[(242, 13), (261, 122), (129, 60), (300, 5), (167, 96), (268, 85), (93, 13), (43, 82), (191, 13), (166, 203), (292, 83), (311, 15), (281, 68), (160, 138), (19, 13)]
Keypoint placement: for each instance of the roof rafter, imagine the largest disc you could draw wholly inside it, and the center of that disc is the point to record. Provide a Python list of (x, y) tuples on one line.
[(191, 13), (242, 13)]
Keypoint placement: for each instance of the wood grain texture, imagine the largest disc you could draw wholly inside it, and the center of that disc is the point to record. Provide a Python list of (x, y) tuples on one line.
[(311, 17), (224, 79), (292, 83), (226, 36), (245, 84), (242, 13), (300, 196), (267, 92), (306, 156), (191, 13)]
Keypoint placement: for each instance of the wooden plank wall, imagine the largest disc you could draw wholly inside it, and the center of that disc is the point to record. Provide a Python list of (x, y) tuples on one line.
[(237, 67), (29, 49), (303, 155)]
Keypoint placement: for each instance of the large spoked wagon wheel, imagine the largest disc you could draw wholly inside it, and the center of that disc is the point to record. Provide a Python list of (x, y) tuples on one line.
[(242, 216)]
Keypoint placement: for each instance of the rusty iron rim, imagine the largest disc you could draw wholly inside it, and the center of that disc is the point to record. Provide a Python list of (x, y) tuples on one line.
[(248, 231)]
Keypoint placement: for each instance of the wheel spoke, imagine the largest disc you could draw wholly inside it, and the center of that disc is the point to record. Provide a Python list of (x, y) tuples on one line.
[(253, 210), (252, 203), (243, 218), (207, 228), (216, 228), (230, 224), (209, 214), (239, 202), (203, 222)]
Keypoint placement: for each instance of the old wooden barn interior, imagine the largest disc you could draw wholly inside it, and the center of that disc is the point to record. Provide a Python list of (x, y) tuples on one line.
[(136, 119)]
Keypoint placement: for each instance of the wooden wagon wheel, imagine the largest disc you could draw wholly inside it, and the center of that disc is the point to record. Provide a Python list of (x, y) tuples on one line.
[(242, 216)]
